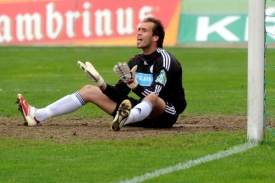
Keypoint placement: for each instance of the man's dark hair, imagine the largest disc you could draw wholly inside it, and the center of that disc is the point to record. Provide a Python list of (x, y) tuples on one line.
[(158, 29)]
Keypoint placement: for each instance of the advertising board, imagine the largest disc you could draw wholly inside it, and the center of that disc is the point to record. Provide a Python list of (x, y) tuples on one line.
[(83, 22)]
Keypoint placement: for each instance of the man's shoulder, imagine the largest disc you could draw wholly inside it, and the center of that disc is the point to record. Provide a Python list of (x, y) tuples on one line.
[(164, 52), (137, 56), (165, 56)]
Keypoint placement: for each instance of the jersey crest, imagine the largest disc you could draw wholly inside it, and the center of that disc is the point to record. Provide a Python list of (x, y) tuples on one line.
[(162, 79)]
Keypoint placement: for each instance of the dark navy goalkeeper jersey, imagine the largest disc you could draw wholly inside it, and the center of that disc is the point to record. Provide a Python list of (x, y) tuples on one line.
[(158, 73)]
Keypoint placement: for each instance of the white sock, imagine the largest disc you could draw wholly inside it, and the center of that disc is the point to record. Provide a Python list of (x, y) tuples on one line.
[(64, 105), (139, 112)]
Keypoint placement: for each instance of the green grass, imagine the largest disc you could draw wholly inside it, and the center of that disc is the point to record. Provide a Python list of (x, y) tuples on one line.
[(211, 77), (215, 81), (111, 161)]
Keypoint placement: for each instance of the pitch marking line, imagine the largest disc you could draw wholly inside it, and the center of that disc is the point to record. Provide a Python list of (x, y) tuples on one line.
[(191, 163)]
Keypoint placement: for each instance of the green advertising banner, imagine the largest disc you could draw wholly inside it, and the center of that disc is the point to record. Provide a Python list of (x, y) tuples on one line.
[(220, 26), (212, 28)]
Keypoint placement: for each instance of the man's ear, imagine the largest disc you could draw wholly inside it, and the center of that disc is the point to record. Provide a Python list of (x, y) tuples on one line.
[(156, 38)]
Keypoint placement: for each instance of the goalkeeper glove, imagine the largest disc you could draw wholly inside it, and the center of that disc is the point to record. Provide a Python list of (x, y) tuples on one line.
[(91, 73), (126, 75)]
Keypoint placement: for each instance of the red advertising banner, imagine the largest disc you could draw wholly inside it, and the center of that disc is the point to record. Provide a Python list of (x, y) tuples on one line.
[(83, 22)]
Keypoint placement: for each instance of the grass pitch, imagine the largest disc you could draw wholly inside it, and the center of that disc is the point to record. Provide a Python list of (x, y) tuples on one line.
[(215, 81)]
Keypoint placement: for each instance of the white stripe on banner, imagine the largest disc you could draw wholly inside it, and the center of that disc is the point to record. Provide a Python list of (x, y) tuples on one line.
[(191, 163)]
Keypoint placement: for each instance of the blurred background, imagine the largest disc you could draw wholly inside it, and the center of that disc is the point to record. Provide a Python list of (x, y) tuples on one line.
[(94, 22)]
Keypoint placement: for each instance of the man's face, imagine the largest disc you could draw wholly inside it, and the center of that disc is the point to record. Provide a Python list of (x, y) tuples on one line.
[(145, 36)]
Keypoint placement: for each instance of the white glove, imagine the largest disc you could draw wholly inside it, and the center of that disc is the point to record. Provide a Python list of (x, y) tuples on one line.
[(90, 71), (126, 75)]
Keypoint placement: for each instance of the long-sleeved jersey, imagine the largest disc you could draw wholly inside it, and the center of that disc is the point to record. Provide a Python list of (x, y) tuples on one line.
[(159, 73)]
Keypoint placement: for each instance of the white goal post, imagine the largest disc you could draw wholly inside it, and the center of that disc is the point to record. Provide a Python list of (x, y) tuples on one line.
[(256, 64)]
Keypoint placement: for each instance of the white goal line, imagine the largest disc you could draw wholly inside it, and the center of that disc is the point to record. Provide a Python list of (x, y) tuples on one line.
[(182, 166)]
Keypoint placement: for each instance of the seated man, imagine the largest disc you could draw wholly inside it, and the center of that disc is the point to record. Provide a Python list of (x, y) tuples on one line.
[(154, 75)]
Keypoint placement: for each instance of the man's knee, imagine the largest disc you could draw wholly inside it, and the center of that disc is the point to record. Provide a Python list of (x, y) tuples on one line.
[(89, 91), (154, 99), (151, 97)]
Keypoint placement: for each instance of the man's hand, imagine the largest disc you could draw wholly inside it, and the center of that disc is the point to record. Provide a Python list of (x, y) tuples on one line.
[(126, 75), (90, 71)]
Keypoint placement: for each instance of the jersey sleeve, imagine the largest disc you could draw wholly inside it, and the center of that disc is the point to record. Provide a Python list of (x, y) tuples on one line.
[(119, 90)]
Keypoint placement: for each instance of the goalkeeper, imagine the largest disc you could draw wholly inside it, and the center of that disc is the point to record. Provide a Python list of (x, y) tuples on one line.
[(154, 75)]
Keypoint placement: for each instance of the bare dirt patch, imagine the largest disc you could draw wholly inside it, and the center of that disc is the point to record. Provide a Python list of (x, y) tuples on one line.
[(69, 130)]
